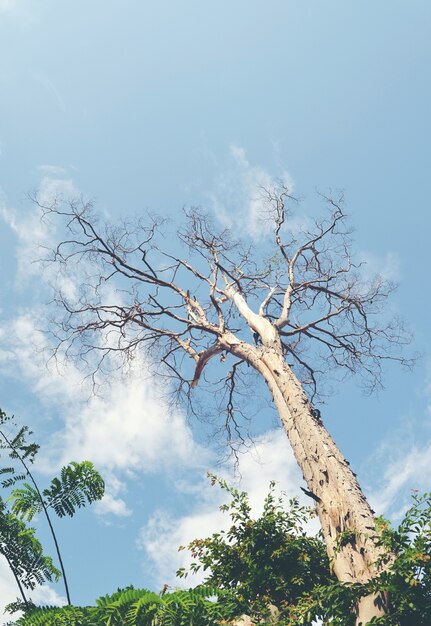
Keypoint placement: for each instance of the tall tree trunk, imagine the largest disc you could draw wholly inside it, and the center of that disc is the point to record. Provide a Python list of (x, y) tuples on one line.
[(340, 503)]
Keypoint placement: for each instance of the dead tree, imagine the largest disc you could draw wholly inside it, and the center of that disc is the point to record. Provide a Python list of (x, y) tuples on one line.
[(303, 309)]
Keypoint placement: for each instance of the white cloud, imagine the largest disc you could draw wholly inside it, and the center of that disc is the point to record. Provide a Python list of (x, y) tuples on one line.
[(27, 225), (163, 534), (113, 506), (112, 503), (35, 235), (46, 596), (52, 170), (130, 428), (387, 266), (240, 196), (8, 589), (24, 353), (408, 471)]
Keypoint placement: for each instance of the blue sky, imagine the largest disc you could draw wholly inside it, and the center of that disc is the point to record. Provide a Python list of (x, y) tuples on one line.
[(159, 105)]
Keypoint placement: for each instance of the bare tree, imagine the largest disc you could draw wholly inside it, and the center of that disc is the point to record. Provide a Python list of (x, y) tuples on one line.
[(292, 316)]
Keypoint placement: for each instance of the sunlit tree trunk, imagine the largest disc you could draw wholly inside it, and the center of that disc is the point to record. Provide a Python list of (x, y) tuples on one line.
[(347, 521), (342, 507)]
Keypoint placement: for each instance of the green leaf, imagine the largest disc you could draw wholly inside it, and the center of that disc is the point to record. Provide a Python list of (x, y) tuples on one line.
[(23, 551), (25, 502), (79, 484)]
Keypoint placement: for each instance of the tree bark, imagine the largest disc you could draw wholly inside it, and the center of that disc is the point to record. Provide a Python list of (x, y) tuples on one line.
[(340, 503)]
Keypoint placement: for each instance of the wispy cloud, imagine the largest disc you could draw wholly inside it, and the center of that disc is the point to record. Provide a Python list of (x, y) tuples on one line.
[(409, 470), (131, 427), (164, 533), (46, 595), (23, 356), (52, 170), (8, 588), (387, 266), (112, 503), (239, 198), (33, 233), (401, 464)]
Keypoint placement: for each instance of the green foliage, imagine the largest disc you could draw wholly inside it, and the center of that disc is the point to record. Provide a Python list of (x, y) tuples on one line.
[(26, 502), (270, 569), (272, 561), (135, 607), (192, 607), (408, 579), (23, 551), (78, 483), (17, 448), (54, 616), (263, 562), (405, 580)]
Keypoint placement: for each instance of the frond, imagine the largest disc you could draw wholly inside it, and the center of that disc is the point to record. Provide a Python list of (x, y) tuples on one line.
[(79, 484), (25, 502), (55, 616), (144, 609), (13, 478), (23, 551)]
